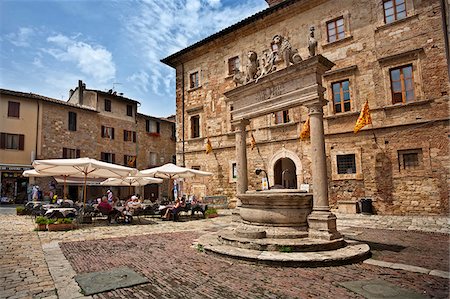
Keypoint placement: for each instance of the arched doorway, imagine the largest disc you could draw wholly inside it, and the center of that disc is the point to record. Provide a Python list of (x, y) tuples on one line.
[(285, 173)]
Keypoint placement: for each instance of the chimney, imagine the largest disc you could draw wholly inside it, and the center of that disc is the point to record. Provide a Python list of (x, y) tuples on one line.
[(273, 2), (81, 87)]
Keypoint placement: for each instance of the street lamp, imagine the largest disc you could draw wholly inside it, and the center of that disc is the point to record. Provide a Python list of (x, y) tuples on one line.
[(258, 172)]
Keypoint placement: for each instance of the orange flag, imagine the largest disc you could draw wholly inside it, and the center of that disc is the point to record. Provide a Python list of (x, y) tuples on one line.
[(253, 142), (364, 118), (208, 147), (304, 134)]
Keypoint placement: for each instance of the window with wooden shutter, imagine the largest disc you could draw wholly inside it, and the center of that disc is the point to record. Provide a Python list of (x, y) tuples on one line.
[(21, 142), (394, 10), (13, 109), (402, 84), (129, 110), (107, 105), (72, 121), (70, 153), (134, 137), (341, 96), (2, 140), (12, 141)]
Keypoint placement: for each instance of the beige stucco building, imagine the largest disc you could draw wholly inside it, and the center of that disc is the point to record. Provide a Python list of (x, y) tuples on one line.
[(101, 125), (393, 54)]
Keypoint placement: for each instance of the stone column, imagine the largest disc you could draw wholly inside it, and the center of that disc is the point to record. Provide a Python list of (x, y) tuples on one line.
[(241, 155), (322, 223)]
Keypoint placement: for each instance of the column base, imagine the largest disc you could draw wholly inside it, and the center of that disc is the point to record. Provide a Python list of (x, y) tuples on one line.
[(322, 225)]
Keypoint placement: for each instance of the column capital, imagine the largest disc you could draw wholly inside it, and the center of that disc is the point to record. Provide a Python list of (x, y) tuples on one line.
[(315, 108), (241, 124)]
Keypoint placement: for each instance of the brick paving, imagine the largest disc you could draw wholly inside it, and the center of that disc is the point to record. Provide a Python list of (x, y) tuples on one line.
[(33, 265), (177, 270)]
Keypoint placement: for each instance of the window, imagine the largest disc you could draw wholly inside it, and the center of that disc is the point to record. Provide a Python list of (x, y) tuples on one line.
[(107, 105), (70, 153), (194, 81), (129, 136), (346, 164), (129, 110), (282, 117), (233, 65), (195, 167), (402, 84), (13, 109), (341, 96), (108, 157), (174, 159), (152, 126), (72, 121), (234, 170), (336, 30), (195, 126), (12, 141), (394, 10), (153, 159), (129, 161), (173, 132), (410, 159), (107, 132)]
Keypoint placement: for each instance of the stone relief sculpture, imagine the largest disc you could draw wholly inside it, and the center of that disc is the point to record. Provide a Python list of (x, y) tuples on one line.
[(312, 42), (281, 49), (285, 51)]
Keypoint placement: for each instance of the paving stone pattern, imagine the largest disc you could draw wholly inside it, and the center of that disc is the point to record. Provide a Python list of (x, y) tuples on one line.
[(176, 269)]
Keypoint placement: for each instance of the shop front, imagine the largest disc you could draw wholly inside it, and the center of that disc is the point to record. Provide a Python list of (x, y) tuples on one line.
[(13, 186)]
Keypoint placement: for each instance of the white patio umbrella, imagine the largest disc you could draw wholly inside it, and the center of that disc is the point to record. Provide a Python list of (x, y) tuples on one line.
[(171, 171), (34, 173), (131, 181), (85, 167)]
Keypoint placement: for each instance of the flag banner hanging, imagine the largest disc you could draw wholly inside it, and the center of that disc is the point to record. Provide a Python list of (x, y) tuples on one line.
[(304, 134), (364, 118), (208, 147), (253, 142)]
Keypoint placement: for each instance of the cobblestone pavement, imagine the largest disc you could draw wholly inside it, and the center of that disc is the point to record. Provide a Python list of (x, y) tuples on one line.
[(42, 265)]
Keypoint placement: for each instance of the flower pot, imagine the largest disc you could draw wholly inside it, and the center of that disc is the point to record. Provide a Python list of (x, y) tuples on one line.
[(41, 227), (59, 227), (212, 215)]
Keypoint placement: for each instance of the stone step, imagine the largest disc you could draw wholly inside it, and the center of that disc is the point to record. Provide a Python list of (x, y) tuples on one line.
[(270, 244), (353, 252)]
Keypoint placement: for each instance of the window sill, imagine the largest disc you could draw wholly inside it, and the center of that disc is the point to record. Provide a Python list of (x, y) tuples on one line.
[(340, 41), (343, 177), (194, 88), (415, 103), (384, 26), (195, 139), (342, 114)]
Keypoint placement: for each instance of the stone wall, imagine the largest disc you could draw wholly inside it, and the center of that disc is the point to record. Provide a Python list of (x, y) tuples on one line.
[(364, 57)]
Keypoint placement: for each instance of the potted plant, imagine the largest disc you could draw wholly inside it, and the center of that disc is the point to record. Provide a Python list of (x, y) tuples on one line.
[(211, 213), (20, 210), (60, 224), (41, 222)]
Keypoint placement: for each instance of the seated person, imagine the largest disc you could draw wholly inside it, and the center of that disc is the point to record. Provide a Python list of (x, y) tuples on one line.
[(172, 210), (108, 210)]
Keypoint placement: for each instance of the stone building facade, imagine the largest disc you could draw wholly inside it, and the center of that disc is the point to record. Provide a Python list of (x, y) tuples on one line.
[(392, 54), (101, 125)]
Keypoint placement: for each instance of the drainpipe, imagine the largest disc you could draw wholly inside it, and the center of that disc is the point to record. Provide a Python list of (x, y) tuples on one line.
[(183, 113), (444, 10)]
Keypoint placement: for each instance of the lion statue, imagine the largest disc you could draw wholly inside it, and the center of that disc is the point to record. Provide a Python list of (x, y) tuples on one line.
[(285, 51), (252, 66)]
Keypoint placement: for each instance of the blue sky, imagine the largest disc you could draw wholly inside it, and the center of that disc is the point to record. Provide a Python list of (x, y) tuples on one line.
[(47, 46)]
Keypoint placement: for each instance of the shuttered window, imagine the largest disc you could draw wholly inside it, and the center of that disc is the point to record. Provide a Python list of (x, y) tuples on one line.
[(72, 121), (12, 141), (13, 109), (70, 153)]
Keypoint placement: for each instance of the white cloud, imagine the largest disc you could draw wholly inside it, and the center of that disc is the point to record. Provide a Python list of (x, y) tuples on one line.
[(91, 60), (160, 28), (22, 37), (141, 80)]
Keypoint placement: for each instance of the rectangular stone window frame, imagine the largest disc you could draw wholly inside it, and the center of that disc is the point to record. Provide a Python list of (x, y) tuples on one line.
[(345, 15), (108, 157), (72, 121), (129, 110), (107, 132), (195, 126), (423, 151), (381, 22), (194, 79), (334, 153), (232, 173), (387, 64), (232, 64), (281, 117), (402, 84), (13, 109), (344, 88), (394, 10), (107, 105), (70, 153), (339, 75)]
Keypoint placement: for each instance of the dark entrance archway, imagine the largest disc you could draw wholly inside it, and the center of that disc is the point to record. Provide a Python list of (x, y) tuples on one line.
[(285, 173)]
